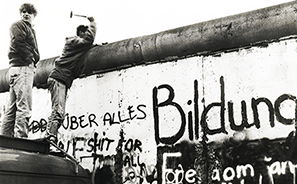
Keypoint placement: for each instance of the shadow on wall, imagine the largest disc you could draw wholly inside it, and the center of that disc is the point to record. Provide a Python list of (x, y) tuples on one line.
[(232, 161), (105, 174), (268, 161)]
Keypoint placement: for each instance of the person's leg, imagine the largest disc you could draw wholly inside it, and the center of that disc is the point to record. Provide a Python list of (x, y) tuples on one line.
[(23, 89), (58, 92), (7, 127)]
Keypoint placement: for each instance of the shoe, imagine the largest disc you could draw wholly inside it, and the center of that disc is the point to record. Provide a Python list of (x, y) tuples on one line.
[(53, 150), (52, 139)]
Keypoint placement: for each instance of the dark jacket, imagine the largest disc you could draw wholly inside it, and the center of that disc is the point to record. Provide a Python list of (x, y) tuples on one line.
[(70, 64), (23, 48)]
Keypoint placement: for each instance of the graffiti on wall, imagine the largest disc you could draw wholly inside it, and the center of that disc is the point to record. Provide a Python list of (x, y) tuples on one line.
[(184, 155), (192, 161), (135, 170), (229, 162), (257, 161), (193, 119), (90, 120)]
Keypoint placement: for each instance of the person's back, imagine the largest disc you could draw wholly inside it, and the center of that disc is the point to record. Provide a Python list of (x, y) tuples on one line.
[(70, 64)]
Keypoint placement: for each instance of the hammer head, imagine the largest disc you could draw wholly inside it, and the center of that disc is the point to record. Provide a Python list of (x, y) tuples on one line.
[(72, 14)]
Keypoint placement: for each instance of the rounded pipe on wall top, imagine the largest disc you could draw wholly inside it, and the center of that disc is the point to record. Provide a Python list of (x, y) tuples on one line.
[(220, 34), (43, 69), (4, 80)]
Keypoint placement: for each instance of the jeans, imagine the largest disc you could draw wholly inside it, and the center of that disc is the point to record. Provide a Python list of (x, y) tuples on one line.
[(58, 92), (19, 109)]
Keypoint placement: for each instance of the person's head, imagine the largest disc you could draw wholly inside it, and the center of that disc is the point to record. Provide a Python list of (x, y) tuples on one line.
[(28, 12), (80, 30)]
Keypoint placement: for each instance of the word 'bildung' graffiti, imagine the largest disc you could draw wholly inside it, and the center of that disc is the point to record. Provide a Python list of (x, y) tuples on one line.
[(193, 117)]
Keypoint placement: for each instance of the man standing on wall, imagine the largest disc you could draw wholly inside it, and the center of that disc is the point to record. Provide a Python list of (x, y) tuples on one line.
[(23, 56), (67, 67)]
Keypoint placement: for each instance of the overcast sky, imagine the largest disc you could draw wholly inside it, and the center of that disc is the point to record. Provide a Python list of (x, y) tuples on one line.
[(116, 19)]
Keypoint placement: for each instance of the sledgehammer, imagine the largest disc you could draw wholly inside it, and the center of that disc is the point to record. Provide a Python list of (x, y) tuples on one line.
[(71, 15)]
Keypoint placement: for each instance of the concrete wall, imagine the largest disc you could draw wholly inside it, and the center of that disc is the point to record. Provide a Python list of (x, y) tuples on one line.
[(162, 107), (220, 117)]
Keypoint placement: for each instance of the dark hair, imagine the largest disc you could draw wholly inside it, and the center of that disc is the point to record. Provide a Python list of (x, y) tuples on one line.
[(82, 28), (28, 7)]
